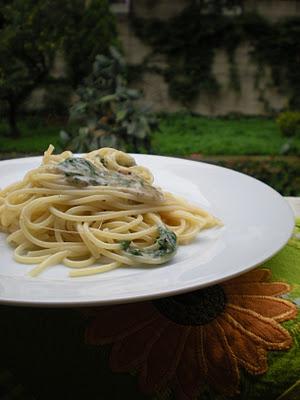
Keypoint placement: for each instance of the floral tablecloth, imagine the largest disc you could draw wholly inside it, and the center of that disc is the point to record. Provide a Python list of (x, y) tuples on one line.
[(236, 340)]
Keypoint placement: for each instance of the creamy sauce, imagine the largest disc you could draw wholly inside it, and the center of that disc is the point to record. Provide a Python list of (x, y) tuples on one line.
[(161, 251), (81, 172)]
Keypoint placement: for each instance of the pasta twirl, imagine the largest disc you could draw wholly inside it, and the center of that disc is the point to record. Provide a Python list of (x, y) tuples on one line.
[(95, 213)]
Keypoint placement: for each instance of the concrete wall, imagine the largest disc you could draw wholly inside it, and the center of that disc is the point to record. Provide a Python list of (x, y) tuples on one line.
[(246, 101)]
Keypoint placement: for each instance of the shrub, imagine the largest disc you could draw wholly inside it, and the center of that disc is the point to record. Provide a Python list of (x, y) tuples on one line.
[(289, 123), (282, 175), (107, 111)]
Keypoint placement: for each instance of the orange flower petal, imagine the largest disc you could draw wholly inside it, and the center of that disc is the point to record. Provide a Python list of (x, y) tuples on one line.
[(251, 356), (163, 358), (255, 275), (189, 372), (222, 369), (201, 349), (256, 288), (265, 331), (268, 306), (115, 323), (130, 352)]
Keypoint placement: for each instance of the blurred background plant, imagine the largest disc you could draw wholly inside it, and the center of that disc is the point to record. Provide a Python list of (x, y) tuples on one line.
[(31, 34), (108, 112), (90, 31), (289, 123), (289, 126), (222, 77)]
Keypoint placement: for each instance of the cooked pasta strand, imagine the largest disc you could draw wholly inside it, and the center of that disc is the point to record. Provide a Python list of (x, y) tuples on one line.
[(95, 213)]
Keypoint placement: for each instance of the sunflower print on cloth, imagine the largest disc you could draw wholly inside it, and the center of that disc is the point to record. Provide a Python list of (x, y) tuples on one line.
[(197, 339)]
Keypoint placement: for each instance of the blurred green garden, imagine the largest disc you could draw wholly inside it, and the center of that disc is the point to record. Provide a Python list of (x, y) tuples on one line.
[(69, 77)]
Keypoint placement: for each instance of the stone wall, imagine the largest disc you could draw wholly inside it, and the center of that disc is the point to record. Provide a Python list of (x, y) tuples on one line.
[(36, 101), (246, 101), (162, 9), (273, 9)]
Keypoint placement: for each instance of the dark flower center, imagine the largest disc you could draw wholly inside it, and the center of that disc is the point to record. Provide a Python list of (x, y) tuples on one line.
[(195, 308)]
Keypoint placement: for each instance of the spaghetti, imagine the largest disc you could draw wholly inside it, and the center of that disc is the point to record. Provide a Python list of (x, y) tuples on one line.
[(95, 213)]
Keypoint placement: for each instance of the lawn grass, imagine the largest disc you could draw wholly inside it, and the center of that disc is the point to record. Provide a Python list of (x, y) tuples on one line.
[(227, 142), (180, 135), (36, 135), (183, 134)]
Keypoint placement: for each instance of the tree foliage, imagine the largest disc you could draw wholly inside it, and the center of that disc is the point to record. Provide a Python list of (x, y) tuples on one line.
[(31, 33), (90, 32)]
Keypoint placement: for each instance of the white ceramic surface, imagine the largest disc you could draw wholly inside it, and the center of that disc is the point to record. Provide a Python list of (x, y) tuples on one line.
[(257, 223)]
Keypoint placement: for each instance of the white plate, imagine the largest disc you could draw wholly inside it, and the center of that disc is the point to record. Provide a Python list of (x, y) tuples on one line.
[(258, 223)]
